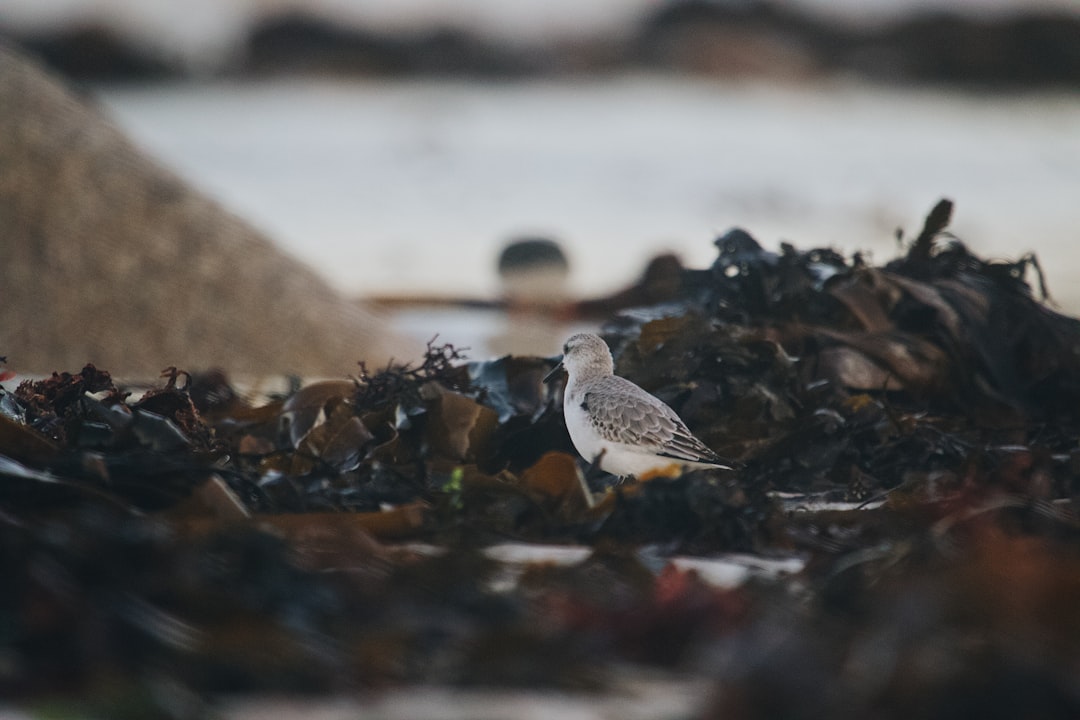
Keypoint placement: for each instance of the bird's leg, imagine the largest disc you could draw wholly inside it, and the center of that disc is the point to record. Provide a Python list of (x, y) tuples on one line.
[(594, 465)]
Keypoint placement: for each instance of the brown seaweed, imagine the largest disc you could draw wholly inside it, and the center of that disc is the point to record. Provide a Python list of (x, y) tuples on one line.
[(339, 537)]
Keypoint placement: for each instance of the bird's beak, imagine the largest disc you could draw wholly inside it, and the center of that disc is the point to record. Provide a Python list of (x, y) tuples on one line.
[(554, 371)]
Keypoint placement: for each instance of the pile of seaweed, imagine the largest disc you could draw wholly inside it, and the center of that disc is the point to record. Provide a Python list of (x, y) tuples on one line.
[(909, 432)]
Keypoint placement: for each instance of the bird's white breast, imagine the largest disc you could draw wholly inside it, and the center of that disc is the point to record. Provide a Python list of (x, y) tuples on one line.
[(582, 431)]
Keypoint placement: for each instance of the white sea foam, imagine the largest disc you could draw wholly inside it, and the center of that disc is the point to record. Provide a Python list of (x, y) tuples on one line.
[(413, 186)]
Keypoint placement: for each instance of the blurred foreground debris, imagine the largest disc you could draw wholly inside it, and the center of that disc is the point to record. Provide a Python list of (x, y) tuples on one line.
[(903, 535)]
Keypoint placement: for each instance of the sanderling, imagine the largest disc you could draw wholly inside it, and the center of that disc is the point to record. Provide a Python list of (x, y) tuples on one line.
[(614, 422)]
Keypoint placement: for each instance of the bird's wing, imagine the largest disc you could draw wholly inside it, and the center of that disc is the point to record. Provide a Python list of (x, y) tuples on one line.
[(684, 446), (625, 413)]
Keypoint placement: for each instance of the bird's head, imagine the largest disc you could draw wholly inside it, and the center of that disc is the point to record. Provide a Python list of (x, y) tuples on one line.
[(584, 353)]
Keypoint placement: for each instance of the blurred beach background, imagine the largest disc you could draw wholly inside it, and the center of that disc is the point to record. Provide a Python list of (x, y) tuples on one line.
[(396, 147)]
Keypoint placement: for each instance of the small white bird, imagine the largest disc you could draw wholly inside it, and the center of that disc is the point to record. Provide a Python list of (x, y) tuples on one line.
[(615, 422)]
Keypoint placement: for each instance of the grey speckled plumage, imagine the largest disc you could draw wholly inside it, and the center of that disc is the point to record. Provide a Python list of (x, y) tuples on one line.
[(610, 418)]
